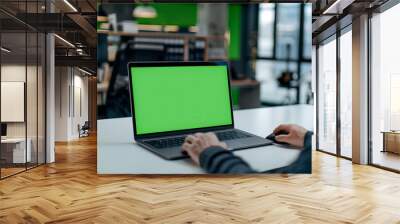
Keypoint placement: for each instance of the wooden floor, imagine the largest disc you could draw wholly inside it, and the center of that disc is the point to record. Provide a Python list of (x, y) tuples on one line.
[(386, 159), (70, 191), (5, 172)]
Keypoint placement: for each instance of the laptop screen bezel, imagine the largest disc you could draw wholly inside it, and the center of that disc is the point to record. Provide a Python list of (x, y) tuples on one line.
[(177, 132)]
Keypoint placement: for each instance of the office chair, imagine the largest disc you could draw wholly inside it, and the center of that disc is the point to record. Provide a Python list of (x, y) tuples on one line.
[(84, 130)]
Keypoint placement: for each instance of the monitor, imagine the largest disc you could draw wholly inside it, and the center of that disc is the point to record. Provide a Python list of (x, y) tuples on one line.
[(179, 96), (3, 129)]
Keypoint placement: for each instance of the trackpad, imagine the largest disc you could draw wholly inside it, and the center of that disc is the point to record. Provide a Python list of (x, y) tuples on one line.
[(244, 143)]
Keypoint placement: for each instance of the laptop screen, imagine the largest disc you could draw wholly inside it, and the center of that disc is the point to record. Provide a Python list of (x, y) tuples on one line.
[(173, 98)]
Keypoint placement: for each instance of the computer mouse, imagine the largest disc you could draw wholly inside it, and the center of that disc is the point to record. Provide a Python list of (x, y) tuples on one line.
[(272, 137)]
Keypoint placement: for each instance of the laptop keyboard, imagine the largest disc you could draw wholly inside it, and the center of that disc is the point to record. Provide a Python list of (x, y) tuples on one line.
[(178, 141)]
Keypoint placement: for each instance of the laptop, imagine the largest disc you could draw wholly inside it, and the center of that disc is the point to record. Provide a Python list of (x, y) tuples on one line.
[(170, 100)]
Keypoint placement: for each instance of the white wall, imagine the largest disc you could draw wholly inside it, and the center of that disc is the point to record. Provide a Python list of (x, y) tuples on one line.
[(13, 72), (62, 80), (12, 101), (16, 73), (33, 126), (70, 83), (82, 82)]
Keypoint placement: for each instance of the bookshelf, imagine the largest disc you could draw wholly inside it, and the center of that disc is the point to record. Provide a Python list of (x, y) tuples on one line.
[(176, 47)]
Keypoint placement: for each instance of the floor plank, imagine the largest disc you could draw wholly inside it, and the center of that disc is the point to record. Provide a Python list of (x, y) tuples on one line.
[(70, 191), (386, 159)]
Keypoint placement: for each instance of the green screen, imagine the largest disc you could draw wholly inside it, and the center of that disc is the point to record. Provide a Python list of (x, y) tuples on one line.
[(182, 97)]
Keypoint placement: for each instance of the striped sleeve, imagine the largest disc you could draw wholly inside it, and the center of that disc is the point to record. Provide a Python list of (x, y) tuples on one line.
[(219, 160), (303, 163)]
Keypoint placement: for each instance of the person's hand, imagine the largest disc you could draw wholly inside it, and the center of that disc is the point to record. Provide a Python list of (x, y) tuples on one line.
[(195, 144), (294, 137)]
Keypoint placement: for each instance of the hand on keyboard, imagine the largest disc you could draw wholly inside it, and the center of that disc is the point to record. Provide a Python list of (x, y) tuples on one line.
[(195, 144)]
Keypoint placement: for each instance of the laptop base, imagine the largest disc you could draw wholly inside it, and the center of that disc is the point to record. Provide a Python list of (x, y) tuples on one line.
[(174, 153)]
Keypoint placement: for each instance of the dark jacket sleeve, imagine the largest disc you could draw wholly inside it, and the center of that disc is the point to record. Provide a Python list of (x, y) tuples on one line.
[(303, 162), (218, 160)]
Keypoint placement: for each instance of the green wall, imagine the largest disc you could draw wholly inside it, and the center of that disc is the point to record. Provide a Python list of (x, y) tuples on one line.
[(234, 18), (185, 15), (179, 14)]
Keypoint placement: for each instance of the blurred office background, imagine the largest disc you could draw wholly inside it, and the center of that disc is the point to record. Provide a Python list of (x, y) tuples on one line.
[(267, 45)]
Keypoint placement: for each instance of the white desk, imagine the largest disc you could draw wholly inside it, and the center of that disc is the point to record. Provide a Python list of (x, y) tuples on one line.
[(19, 155), (118, 154)]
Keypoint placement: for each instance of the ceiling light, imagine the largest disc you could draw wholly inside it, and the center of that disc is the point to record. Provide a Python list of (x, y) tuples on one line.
[(5, 50), (337, 7), (65, 41), (331, 7), (84, 71), (193, 29), (70, 5), (144, 11)]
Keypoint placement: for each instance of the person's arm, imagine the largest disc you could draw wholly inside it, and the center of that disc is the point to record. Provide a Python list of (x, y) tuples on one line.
[(303, 162), (216, 159), (212, 155)]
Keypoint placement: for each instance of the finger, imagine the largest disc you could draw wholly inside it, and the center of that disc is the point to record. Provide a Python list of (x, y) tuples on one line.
[(187, 149), (193, 154), (224, 145), (213, 140), (190, 138), (204, 140), (199, 139), (212, 136), (282, 127), (283, 138), (186, 146), (198, 134)]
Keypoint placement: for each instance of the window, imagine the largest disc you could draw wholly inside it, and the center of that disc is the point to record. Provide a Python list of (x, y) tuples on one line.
[(22, 79), (279, 47), (266, 30), (307, 37), (306, 84), (268, 73), (346, 94), (327, 96), (385, 89), (287, 32), (333, 137)]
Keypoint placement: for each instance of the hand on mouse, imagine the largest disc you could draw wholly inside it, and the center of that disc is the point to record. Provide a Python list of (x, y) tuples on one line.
[(295, 134), (195, 144)]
